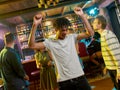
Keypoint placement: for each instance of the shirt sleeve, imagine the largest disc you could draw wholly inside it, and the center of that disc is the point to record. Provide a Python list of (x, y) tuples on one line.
[(47, 43), (17, 65), (114, 48), (75, 37)]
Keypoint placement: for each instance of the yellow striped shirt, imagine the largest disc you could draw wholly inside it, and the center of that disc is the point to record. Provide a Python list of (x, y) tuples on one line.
[(110, 48)]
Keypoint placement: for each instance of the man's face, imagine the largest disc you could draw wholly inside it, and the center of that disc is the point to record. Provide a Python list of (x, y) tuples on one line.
[(96, 24), (63, 32)]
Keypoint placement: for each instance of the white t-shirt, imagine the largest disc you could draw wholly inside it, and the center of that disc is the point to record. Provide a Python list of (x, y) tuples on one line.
[(66, 58)]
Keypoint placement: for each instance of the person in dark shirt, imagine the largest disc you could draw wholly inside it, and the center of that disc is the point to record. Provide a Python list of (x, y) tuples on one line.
[(12, 72), (94, 50)]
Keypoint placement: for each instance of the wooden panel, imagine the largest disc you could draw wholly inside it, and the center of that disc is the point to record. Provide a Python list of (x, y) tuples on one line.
[(54, 11), (18, 5)]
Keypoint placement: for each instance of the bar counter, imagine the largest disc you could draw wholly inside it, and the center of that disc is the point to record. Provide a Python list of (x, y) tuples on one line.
[(30, 67), (28, 61)]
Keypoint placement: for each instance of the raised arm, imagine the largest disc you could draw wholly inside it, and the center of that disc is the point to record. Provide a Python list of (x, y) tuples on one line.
[(89, 32), (31, 42)]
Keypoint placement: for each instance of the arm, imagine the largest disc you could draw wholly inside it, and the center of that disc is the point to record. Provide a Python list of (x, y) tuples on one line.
[(80, 13), (31, 42), (77, 47), (92, 58), (51, 62), (50, 55)]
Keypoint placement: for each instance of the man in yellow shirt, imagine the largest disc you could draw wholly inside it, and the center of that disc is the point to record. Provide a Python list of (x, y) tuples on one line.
[(110, 48)]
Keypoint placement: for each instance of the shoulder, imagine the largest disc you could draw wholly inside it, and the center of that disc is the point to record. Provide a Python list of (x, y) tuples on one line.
[(72, 35), (110, 34), (12, 53), (50, 40), (107, 32), (8, 50)]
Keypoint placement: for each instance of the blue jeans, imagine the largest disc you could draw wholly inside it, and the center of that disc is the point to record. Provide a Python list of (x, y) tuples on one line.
[(79, 83)]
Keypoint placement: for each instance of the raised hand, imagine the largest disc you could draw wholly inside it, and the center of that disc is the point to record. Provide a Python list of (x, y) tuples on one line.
[(78, 11), (38, 19)]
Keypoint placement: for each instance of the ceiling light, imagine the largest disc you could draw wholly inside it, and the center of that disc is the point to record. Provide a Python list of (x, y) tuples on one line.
[(47, 3), (92, 10)]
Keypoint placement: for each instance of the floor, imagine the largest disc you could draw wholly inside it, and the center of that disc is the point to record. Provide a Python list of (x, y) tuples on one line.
[(97, 83), (100, 82), (104, 84)]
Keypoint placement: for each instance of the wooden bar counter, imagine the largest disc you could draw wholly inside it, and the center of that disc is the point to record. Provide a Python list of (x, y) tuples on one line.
[(31, 69), (33, 73)]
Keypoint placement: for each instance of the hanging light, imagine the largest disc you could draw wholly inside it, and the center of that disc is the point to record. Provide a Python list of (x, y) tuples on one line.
[(92, 10), (47, 3)]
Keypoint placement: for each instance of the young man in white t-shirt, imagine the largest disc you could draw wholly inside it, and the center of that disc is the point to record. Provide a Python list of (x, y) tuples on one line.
[(63, 50)]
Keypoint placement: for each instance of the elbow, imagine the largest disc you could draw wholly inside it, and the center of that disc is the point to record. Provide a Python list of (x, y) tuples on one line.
[(31, 45), (91, 33)]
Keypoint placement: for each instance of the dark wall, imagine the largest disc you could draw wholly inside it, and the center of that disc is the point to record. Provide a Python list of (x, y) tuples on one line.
[(114, 19), (3, 30)]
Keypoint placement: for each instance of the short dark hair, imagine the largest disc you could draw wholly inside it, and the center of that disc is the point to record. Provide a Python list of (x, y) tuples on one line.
[(60, 22), (102, 20), (9, 37)]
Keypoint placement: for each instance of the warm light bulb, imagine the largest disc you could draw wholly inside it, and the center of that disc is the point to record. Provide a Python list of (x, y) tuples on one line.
[(48, 3)]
